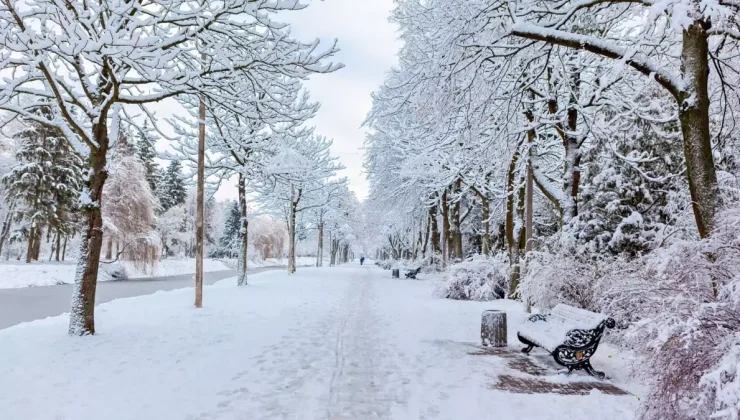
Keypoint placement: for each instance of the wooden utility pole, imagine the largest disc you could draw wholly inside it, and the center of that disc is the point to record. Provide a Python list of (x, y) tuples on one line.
[(199, 210)]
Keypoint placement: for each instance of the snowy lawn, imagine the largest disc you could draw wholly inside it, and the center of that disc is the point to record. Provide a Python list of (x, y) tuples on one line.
[(330, 343), (41, 273)]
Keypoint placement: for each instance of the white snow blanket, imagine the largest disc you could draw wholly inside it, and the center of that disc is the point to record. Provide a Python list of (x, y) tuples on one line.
[(330, 343), (41, 273)]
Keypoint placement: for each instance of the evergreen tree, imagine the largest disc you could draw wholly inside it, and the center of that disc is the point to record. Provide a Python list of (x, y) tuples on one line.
[(173, 191), (145, 150), (45, 183), (630, 191), (229, 240)]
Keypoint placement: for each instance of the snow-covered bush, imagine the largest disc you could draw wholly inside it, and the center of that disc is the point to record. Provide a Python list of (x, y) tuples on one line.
[(480, 277), (113, 272), (684, 300), (431, 263), (386, 264), (565, 277)]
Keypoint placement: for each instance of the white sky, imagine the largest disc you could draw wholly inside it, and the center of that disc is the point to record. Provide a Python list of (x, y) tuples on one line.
[(368, 44)]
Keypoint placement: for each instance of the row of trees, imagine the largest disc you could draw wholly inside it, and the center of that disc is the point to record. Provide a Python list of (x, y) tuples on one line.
[(570, 141), (237, 73), (42, 190), (505, 119)]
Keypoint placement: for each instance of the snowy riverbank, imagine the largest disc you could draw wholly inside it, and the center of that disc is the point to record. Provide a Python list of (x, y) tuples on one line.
[(41, 273)]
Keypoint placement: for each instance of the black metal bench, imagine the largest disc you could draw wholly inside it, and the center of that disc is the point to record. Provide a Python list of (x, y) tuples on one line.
[(571, 335), (411, 274)]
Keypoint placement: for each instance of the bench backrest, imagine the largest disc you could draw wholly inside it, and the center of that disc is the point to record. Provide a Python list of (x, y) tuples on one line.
[(576, 317)]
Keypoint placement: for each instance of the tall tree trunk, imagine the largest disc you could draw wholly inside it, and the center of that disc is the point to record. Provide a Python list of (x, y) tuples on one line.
[(7, 223), (37, 243), (64, 247), (519, 244), (457, 225), (291, 232), (82, 315), (59, 243), (445, 229), (109, 250), (53, 248), (334, 245), (509, 225), (434, 229), (320, 251), (243, 233), (331, 250), (693, 105), (529, 200), (427, 234), (485, 216), (417, 244), (571, 144), (30, 248)]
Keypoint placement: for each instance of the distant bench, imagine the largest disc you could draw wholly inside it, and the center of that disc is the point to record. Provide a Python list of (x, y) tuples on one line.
[(571, 335), (411, 274)]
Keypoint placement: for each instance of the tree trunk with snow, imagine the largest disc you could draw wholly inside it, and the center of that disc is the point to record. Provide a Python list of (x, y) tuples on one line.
[(29, 247), (37, 243), (519, 248), (445, 230), (58, 244), (243, 233), (320, 251), (82, 314), (427, 234), (456, 223), (109, 250), (529, 201), (693, 105), (64, 247), (434, 230), (511, 239), (7, 223), (291, 231)]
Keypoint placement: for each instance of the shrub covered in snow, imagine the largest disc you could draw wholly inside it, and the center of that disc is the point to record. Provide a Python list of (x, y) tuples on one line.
[(480, 277), (569, 278), (685, 301)]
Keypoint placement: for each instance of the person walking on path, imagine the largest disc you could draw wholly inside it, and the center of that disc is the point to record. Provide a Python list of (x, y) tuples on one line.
[(362, 260)]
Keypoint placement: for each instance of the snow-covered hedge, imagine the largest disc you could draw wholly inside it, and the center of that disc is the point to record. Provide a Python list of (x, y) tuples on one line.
[(687, 297), (680, 306), (477, 278), (576, 280)]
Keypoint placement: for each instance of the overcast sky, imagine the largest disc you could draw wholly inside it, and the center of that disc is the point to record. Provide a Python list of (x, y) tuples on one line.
[(368, 44)]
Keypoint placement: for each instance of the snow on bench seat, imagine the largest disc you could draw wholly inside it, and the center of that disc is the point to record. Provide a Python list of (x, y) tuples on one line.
[(551, 331)]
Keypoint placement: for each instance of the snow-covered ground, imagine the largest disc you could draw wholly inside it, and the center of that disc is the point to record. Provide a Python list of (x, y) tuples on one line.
[(276, 262), (42, 273), (330, 343)]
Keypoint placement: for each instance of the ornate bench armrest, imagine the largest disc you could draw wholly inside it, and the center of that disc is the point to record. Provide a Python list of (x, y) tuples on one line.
[(538, 317)]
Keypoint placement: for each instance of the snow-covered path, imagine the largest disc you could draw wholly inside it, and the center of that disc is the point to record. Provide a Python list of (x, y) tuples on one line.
[(332, 343)]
